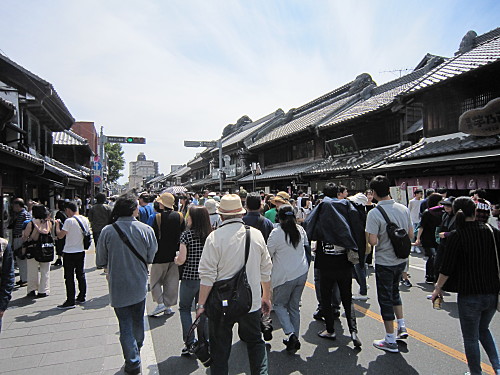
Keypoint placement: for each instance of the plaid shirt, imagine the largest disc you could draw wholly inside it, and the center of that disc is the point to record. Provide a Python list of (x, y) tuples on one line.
[(194, 250)]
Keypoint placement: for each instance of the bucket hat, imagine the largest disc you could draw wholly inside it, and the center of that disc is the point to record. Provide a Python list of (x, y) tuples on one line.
[(211, 205), (167, 200), (281, 197), (230, 204)]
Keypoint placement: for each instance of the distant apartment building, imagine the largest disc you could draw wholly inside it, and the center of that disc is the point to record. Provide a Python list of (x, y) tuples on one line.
[(141, 170)]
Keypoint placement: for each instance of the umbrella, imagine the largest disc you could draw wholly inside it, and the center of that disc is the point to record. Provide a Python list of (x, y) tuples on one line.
[(175, 190)]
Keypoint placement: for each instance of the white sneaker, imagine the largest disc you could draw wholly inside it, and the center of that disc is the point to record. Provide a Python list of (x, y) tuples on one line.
[(384, 345), (360, 297), (159, 309), (169, 311), (418, 251)]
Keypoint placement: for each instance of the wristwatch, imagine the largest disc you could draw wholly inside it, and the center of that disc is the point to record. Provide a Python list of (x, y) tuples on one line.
[(199, 306)]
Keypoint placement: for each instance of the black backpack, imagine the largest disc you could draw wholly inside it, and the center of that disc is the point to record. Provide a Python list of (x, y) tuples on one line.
[(44, 248), (231, 298), (399, 237)]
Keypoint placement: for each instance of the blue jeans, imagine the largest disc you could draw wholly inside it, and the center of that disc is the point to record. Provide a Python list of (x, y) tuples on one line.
[(188, 293), (475, 312), (286, 301), (131, 321), (221, 337), (360, 276), (387, 279)]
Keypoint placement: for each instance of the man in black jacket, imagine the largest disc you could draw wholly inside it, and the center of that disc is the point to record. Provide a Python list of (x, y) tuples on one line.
[(337, 227)]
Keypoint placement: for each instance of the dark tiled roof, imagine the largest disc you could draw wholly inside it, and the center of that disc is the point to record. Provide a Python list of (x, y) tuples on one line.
[(68, 138), (37, 86), (282, 172), (247, 130), (354, 161), (485, 53), (382, 96), (301, 122), (447, 144), (7, 104), (20, 154), (64, 170)]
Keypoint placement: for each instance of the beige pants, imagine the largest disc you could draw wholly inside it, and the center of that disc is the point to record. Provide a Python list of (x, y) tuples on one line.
[(164, 279), (38, 281)]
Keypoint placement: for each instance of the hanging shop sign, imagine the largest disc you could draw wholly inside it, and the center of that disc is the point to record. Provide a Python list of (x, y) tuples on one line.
[(484, 121)]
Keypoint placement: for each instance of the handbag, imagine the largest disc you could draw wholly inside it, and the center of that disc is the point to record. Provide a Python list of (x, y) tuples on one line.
[(353, 256), (201, 348), (498, 263), (231, 298), (87, 237)]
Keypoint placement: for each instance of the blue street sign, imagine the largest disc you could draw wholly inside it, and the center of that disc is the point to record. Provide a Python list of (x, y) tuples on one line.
[(97, 166), (97, 180)]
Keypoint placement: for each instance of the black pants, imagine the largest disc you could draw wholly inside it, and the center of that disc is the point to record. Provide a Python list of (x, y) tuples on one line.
[(73, 264), (330, 279), (430, 272), (221, 335), (335, 293)]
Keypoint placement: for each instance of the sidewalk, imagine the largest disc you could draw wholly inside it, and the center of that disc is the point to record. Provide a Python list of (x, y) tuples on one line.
[(37, 338)]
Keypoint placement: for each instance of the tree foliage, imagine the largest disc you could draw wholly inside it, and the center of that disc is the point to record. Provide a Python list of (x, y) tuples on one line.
[(116, 161)]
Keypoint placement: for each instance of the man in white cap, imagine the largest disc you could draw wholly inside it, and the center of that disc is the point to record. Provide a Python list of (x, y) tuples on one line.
[(223, 256), (212, 205)]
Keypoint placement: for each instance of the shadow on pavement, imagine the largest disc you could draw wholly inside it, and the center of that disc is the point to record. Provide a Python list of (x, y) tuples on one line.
[(96, 303), (394, 361), (39, 315), (179, 365)]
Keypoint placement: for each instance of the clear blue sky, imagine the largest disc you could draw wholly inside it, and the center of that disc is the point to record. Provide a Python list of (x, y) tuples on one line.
[(182, 70)]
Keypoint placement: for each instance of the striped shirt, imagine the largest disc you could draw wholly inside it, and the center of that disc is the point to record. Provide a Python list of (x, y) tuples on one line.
[(19, 220), (470, 258)]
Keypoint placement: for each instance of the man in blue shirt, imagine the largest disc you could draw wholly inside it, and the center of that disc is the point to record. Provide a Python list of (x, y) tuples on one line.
[(145, 209), (253, 216), (128, 275)]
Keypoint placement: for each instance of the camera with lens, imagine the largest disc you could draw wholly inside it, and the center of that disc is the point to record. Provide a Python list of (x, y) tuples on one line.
[(201, 349)]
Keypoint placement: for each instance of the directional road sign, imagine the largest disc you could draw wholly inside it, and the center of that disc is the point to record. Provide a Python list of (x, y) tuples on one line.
[(200, 143), (114, 139), (97, 166)]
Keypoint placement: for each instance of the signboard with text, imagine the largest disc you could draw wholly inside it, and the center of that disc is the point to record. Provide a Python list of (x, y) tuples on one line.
[(483, 121)]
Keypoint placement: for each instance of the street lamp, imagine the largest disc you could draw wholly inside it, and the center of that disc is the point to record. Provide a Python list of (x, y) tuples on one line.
[(255, 167)]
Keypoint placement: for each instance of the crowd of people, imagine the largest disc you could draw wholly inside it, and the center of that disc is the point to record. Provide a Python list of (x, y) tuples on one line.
[(201, 239)]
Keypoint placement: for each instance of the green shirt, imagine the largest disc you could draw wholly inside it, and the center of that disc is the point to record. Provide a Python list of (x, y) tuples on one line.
[(271, 215)]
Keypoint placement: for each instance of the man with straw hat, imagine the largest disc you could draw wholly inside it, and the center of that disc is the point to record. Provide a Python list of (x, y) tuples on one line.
[(223, 256), (280, 199)]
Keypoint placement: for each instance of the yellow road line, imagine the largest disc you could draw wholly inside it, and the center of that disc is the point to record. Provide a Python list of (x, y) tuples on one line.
[(420, 337)]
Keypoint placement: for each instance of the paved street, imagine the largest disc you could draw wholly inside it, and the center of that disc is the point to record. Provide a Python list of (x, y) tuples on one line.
[(39, 339)]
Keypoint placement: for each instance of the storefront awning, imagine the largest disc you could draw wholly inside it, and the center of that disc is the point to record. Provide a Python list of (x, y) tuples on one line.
[(279, 173)]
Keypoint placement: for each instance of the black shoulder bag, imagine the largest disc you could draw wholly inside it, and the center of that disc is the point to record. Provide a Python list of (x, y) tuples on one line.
[(87, 237), (399, 237), (232, 298), (129, 245)]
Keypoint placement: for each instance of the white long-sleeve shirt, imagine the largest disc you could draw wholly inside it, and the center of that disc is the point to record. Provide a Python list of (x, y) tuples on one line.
[(224, 255)]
